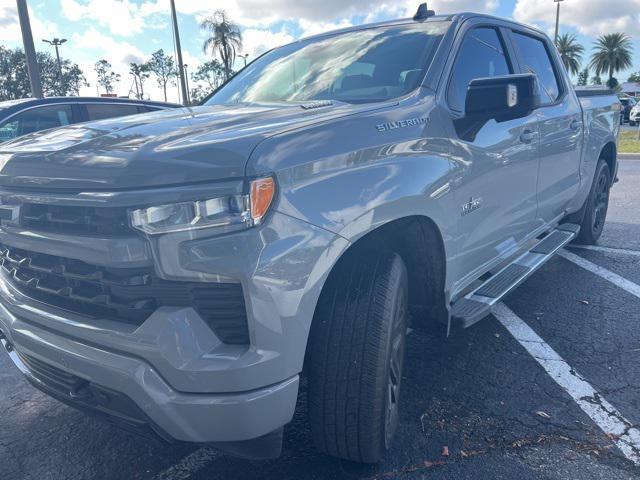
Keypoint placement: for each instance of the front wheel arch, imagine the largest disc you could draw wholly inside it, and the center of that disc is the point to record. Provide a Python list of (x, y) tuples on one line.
[(419, 242)]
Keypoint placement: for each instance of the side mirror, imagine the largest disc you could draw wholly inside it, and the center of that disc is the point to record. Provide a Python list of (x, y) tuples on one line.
[(502, 98)]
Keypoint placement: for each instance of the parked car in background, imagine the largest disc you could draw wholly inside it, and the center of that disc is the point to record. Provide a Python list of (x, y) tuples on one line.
[(634, 116), (628, 103), (29, 115)]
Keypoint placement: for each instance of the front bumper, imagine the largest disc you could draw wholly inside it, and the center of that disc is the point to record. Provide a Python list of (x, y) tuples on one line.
[(178, 378), (130, 391)]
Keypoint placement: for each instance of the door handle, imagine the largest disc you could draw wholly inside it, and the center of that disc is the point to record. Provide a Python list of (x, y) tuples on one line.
[(575, 125), (527, 136)]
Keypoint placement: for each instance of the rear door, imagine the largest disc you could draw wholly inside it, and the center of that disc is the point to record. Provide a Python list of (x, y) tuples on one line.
[(496, 172), (560, 124)]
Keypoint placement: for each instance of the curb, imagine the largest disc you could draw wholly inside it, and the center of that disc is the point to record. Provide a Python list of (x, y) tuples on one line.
[(629, 156)]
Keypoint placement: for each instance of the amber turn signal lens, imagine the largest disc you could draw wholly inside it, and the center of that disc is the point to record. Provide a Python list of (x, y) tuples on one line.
[(262, 192)]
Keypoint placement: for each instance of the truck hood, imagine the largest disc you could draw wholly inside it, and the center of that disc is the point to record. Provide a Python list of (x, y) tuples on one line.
[(158, 149)]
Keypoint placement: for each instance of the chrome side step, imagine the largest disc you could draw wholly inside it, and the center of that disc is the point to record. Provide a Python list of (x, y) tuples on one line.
[(476, 305)]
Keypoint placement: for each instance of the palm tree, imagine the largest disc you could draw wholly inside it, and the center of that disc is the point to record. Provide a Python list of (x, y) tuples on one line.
[(612, 53), (225, 38), (570, 52)]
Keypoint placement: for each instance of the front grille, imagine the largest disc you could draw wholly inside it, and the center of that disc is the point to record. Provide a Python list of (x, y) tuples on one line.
[(101, 221), (127, 295)]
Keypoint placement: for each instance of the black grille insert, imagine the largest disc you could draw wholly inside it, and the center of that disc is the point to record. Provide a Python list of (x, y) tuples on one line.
[(127, 295), (75, 220)]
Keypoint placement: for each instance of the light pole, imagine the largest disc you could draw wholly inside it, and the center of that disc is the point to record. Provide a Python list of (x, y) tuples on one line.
[(29, 49), (557, 20), (186, 79), (176, 31), (244, 57), (56, 42)]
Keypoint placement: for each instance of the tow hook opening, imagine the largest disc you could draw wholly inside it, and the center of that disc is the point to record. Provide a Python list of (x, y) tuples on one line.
[(4, 341), (81, 391)]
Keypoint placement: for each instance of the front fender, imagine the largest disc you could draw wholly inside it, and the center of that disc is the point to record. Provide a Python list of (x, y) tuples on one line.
[(348, 177)]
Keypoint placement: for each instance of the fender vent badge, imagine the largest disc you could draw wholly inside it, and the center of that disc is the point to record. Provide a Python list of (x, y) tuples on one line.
[(471, 206)]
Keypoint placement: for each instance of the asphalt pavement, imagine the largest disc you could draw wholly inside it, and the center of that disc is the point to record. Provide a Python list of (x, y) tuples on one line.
[(547, 388)]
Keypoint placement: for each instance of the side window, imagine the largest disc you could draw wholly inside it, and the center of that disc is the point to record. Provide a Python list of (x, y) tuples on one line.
[(536, 59), (481, 55), (147, 109), (35, 120), (101, 111)]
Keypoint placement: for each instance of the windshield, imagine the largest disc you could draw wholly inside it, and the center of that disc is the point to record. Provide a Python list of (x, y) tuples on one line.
[(362, 66)]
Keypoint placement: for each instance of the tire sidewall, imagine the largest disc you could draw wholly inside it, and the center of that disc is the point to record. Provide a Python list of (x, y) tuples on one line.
[(589, 235), (400, 309)]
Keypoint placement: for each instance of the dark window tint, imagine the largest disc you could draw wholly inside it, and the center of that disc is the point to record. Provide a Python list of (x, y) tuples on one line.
[(35, 120), (536, 60), (482, 55), (100, 111), (147, 109)]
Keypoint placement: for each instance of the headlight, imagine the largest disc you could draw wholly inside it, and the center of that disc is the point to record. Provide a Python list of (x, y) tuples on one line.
[(236, 212)]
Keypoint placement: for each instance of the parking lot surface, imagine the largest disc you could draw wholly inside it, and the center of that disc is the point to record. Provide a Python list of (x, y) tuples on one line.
[(548, 387)]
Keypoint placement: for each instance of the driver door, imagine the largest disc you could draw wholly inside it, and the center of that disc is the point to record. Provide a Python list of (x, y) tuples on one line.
[(496, 172)]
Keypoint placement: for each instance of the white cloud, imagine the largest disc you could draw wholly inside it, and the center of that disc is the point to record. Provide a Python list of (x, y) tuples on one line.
[(313, 28), (121, 17), (118, 53), (330, 10), (10, 25), (589, 17), (257, 41), (263, 13)]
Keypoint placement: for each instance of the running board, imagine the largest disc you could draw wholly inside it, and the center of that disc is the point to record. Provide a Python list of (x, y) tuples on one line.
[(477, 304)]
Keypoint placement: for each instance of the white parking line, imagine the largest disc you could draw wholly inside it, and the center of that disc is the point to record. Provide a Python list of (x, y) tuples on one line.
[(615, 251), (632, 288), (625, 435)]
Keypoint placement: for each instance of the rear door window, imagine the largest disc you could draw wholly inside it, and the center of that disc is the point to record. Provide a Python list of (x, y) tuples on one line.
[(536, 59), (481, 55), (147, 109), (35, 120), (101, 111)]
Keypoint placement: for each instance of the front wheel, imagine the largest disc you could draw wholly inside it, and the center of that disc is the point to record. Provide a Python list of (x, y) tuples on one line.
[(356, 356), (596, 207)]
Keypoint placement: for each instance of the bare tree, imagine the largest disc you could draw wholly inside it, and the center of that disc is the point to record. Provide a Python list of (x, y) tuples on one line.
[(107, 78), (164, 67), (141, 73)]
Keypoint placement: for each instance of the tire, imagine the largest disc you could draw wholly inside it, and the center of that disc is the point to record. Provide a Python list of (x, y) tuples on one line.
[(356, 356), (596, 207)]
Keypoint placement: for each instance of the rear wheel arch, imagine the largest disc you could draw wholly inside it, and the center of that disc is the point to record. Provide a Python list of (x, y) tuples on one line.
[(609, 154)]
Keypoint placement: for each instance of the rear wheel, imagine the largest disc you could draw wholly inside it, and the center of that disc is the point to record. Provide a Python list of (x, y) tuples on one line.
[(356, 357), (596, 207)]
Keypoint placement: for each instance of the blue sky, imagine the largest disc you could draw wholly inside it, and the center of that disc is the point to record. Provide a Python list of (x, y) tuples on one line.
[(130, 30)]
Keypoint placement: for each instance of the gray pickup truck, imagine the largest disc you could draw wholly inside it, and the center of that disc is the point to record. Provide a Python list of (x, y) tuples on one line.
[(180, 272)]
